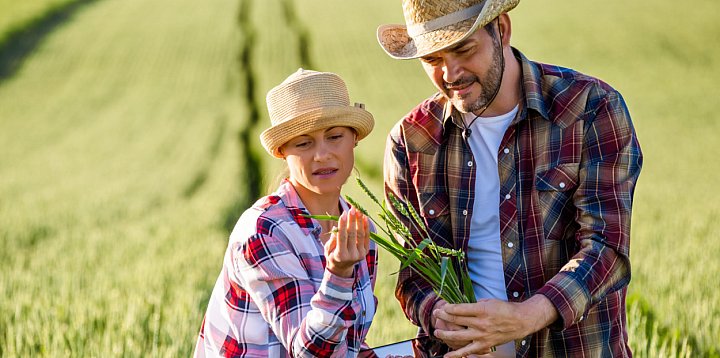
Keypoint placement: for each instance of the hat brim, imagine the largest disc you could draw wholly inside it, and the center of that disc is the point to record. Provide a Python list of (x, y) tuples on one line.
[(342, 116), (398, 44)]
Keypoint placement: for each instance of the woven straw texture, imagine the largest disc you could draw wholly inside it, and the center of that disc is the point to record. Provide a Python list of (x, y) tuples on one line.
[(307, 101), (396, 41)]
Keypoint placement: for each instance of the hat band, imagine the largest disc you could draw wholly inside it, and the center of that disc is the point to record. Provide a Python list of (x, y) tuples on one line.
[(415, 30)]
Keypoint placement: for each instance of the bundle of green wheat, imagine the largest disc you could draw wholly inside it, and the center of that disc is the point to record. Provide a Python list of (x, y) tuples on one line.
[(433, 262)]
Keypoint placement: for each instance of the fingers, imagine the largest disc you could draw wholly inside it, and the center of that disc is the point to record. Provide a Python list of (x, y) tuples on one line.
[(342, 231), (352, 230), (363, 232), (453, 320), (473, 348), (466, 309), (332, 242), (463, 334)]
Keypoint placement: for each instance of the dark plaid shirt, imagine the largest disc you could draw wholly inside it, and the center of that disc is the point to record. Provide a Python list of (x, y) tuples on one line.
[(567, 164)]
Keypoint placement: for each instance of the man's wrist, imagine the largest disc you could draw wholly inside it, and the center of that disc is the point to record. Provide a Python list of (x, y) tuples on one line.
[(541, 312)]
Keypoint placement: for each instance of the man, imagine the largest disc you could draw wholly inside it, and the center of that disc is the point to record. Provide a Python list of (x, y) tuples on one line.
[(528, 168)]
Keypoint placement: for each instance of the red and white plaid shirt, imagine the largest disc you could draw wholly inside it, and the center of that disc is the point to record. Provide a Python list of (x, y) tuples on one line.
[(274, 298)]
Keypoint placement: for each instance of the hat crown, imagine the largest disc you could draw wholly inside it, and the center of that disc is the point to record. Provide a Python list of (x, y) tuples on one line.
[(422, 11), (305, 91)]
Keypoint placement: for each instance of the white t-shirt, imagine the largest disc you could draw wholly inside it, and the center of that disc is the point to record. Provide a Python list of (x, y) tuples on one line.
[(484, 252)]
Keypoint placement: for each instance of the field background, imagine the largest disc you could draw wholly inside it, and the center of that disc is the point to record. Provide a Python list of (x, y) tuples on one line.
[(128, 148)]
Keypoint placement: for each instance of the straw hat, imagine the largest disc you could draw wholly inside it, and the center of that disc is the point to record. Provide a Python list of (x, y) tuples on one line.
[(307, 101), (434, 25)]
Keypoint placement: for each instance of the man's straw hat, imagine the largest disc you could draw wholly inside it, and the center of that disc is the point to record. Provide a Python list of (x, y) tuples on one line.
[(434, 25), (307, 101)]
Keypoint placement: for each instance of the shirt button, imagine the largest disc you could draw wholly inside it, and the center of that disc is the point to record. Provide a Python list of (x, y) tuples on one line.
[(506, 150), (523, 342), (431, 212), (516, 294), (510, 244), (470, 163), (562, 184), (507, 196), (465, 212), (363, 313)]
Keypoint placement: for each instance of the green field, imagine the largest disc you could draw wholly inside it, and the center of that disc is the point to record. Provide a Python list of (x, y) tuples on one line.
[(129, 147)]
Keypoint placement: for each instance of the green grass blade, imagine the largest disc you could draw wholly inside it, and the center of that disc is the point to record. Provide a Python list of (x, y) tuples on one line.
[(443, 273)]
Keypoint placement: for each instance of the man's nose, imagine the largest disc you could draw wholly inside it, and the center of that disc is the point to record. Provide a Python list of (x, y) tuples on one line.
[(452, 70)]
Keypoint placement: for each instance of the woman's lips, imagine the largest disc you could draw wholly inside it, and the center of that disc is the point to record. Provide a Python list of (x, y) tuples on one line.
[(325, 172)]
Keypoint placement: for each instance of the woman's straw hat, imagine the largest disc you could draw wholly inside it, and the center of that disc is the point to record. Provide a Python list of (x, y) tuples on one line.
[(307, 101), (434, 25)]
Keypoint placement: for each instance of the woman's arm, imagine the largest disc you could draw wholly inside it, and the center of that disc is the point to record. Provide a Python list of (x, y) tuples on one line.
[(308, 323)]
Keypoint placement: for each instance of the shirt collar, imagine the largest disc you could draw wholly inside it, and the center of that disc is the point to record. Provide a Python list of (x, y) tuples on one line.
[(532, 88), (532, 91)]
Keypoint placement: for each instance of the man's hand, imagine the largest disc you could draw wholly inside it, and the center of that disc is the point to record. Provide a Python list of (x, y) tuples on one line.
[(440, 324), (493, 322)]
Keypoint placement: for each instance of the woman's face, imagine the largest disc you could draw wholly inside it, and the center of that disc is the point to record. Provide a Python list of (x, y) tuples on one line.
[(321, 161)]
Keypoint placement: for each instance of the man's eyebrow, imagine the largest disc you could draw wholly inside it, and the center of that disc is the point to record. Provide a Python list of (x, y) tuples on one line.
[(460, 45)]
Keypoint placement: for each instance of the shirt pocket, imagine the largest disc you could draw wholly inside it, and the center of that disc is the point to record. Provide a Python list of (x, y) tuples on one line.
[(561, 177), (434, 204), (435, 210), (555, 188)]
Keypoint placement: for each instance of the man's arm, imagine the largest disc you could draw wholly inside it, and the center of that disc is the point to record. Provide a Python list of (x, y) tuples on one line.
[(415, 295), (609, 169)]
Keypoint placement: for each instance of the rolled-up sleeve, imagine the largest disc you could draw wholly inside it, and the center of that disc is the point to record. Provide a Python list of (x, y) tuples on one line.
[(609, 169)]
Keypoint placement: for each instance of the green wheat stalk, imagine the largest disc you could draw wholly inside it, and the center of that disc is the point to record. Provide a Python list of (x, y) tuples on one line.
[(432, 262)]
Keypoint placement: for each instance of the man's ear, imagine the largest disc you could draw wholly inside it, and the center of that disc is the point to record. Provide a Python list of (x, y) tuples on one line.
[(505, 28)]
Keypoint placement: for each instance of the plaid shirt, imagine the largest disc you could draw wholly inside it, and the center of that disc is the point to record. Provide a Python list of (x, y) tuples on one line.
[(274, 298), (567, 164)]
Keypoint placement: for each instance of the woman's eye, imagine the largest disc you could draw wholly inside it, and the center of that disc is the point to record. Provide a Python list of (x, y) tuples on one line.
[(336, 136), (302, 144)]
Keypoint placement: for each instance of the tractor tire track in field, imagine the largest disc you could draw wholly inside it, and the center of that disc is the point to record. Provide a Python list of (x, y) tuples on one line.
[(303, 37), (22, 41), (368, 168), (250, 180)]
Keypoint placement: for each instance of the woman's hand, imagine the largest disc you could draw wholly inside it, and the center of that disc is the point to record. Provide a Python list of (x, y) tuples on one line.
[(349, 244)]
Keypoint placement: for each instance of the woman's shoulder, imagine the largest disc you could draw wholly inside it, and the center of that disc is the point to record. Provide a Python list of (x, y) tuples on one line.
[(262, 217)]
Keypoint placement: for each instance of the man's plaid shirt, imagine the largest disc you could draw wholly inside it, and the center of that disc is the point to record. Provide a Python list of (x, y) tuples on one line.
[(567, 165), (274, 298)]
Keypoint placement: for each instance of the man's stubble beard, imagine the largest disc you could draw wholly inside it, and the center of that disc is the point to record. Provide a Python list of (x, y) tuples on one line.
[(489, 84)]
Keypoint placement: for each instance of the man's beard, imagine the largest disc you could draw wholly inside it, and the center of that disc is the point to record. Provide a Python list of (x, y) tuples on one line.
[(489, 84)]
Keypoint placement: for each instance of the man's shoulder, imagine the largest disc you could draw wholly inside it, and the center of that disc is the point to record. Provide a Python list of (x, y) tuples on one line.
[(564, 95), (568, 77), (423, 125)]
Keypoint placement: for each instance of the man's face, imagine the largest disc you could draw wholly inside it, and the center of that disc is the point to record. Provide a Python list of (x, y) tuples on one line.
[(469, 73)]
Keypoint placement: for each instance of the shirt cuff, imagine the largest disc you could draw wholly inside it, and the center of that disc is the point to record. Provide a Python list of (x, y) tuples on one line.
[(337, 287), (425, 310), (569, 297)]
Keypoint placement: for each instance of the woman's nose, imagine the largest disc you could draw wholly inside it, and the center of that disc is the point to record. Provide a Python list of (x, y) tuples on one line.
[(322, 151)]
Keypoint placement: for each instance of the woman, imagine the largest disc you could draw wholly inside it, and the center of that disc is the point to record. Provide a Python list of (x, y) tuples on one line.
[(290, 285)]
